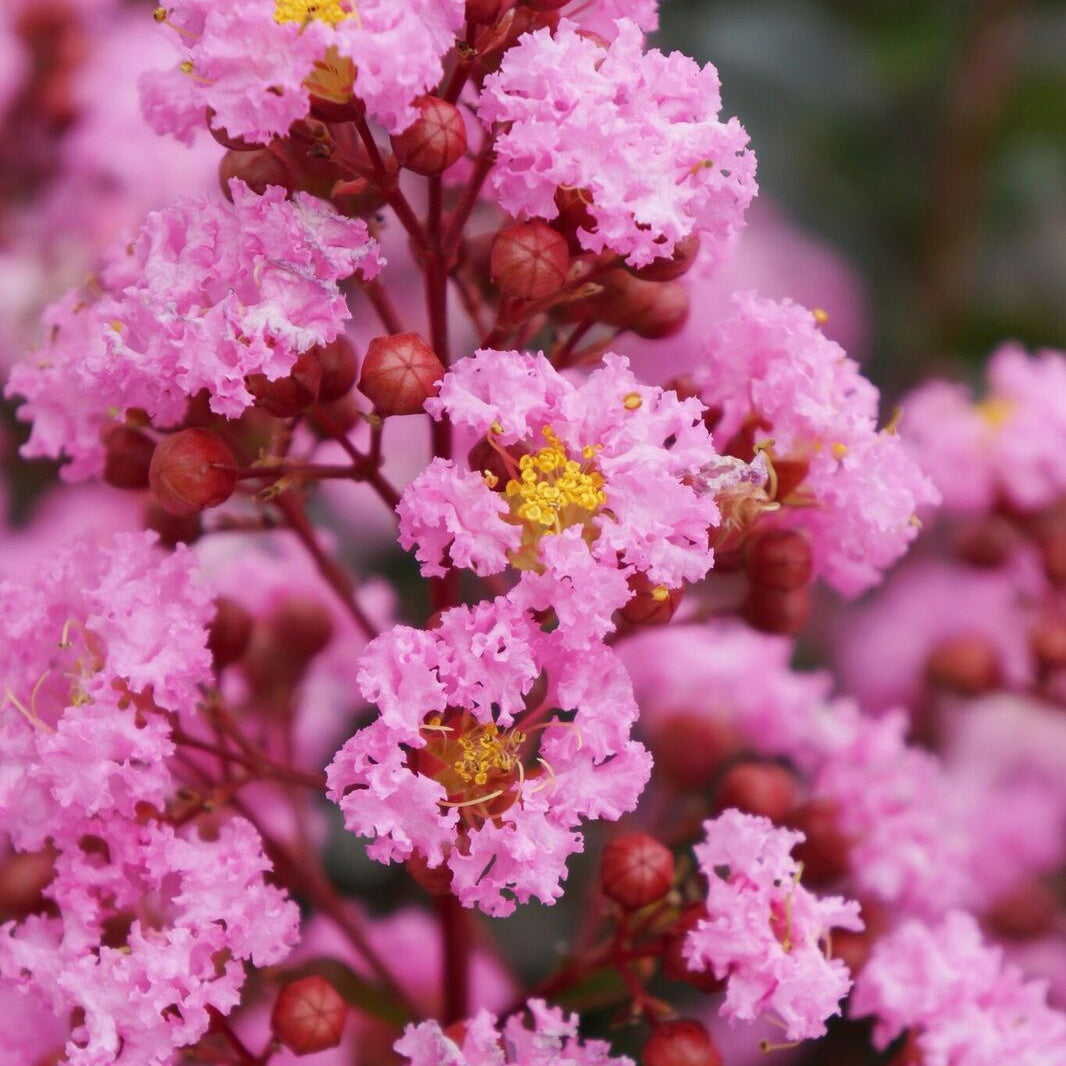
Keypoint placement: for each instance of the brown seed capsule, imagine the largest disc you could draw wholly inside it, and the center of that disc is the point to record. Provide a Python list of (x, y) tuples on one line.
[(680, 1043), (651, 605), (529, 261), (777, 610), (258, 169), (671, 266), (779, 559), (309, 1015), (650, 309), (400, 372), (302, 626), (228, 634), (337, 362), (291, 395), (636, 870), (128, 457), (675, 965), (758, 788), (968, 664), (826, 851), (192, 470), (435, 140)]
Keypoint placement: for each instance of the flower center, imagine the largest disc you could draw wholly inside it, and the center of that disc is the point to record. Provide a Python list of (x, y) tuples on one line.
[(303, 11)]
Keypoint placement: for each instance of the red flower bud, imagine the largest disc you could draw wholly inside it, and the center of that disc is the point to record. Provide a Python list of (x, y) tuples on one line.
[(192, 470), (652, 604), (435, 140), (23, 877), (309, 1016), (689, 746), (1029, 910), (293, 394), (650, 309), (229, 632), (483, 11), (529, 261), (574, 215), (302, 626), (258, 169), (967, 664), (128, 457), (826, 852), (779, 559), (985, 542), (758, 788), (777, 610), (673, 266), (172, 529), (400, 373), (1051, 537), (338, 367), (1047, 641), (681, 1043), (636, 870), (675, 966)]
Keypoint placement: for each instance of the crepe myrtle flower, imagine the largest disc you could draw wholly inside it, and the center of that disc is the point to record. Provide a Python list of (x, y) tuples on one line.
[(624, 472), (764, 931), (256, 64), (489, 750)]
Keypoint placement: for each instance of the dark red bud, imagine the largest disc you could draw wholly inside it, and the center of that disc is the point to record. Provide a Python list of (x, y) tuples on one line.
[(985, 542), (483, 11), (128, 457), (779, 559), (968, 664), (337, 362), (689, 746), (758, 788), (670, 267), (258, 169), (1029, 911), (826, 852), (309, 1016), (23, 877), (680, 1043), (435, 140), (291, 395), (1052, 541), (777, 610), (172, 529), (192, 470), (636, 870), (302, 626), (675, 966), (529, 261), (650, 309), (574, 215), (1047, 640), (229, 632), (238, 144), (652, 604), (400, 373)]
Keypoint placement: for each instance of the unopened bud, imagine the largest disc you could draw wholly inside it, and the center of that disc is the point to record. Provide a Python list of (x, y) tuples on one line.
[(128, 457), (337, 364), (1029, 910), (309, 1016), (680, 1043), (777, 610), (779, 559), (228, 634), (672, 266), (675, 965), (689, 746), (650, 309), (400, 372), (968, 664), (758, 788), (435, 140), (302, 626), (291, 395), (826, 851), (172, 529), (529, 261), (574, 216), (652, 604), (23, 877), (985, 542), (636, 870), (1047, 640), (192, 470), (258, 169)]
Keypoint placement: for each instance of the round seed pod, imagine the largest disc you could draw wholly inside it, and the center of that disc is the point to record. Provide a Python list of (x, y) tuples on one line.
[(400, 372), (434, 141), (192, 470), (636, 870), (529, 261), (309, 1016)]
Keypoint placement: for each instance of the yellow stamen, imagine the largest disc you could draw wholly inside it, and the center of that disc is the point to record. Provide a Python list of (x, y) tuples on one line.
[(631, 401), (821, 316), (839, 450), (303, 11)]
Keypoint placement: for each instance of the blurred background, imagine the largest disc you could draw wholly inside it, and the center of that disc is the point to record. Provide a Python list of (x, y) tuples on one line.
[(925, 140)]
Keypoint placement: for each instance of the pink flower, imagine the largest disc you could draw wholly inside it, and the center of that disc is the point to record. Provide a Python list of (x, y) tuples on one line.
[(552, 1041), (606, 477), (255, 63), (470, 766), (1008, 445), (577, 115), (209, 292), (968, 1008), (602, 16), (764, 931), (785, 389)]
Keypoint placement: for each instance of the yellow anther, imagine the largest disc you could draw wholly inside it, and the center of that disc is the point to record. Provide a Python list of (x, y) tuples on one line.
[(660, 593), (631, 401), (496, 428), (160, 14), (490, 478), (821, 316), (995, 411), (839, 450), (303, 11), (187, 67)]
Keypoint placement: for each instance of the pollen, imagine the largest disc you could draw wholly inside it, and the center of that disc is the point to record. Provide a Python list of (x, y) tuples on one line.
[(485, 751), (631, 401), (821, 316), (553, 491), (995, 411), (304, 11)]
